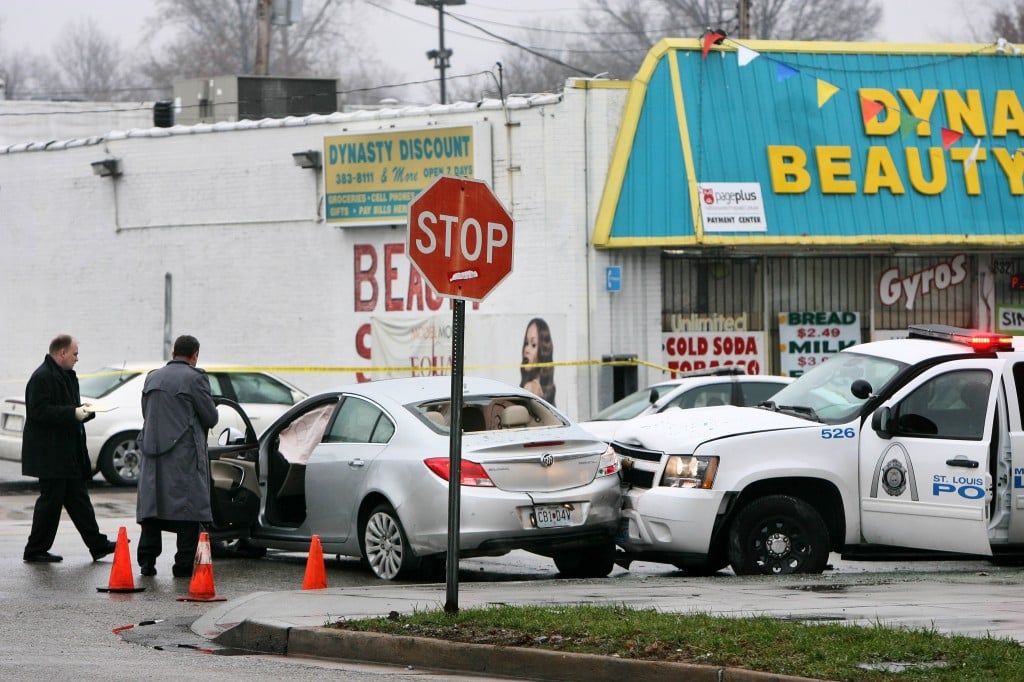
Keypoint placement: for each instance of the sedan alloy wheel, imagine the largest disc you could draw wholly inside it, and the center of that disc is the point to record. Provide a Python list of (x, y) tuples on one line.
[(387, 549)]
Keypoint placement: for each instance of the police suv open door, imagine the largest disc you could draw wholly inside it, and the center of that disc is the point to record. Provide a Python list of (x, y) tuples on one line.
[(926, 460)]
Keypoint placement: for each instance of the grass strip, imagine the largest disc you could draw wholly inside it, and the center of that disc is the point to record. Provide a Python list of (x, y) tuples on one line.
[(831, 651)]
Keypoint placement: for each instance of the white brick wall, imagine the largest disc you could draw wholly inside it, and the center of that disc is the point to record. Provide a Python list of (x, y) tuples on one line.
[(260, 279)]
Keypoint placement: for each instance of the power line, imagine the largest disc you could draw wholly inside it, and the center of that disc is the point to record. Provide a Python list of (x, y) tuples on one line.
[(561, 31), (532, 51), (501, 40)]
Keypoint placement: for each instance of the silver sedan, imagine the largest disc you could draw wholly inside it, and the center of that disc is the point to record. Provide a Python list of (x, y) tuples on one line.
[(365, 468)]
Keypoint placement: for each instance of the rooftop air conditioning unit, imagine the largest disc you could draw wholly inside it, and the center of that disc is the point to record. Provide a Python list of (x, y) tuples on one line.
[(233, 98)]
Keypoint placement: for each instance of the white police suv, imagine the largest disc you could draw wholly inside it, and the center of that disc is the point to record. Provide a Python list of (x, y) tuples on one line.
[(889, 446)]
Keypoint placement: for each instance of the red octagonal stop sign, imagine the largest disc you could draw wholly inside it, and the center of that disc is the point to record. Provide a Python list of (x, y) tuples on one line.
[(460, 237)]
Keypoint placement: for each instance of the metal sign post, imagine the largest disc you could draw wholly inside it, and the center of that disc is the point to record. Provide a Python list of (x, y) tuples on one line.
[(451, 604)]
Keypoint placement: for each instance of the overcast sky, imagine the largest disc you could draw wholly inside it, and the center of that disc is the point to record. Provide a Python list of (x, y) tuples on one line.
[(407, 31)]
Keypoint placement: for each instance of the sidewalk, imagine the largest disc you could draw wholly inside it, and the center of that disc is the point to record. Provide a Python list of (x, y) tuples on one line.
[(980, 603)]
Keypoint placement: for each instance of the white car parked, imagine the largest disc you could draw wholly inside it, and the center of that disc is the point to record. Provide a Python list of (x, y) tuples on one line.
[(111, 436), (702, 388)]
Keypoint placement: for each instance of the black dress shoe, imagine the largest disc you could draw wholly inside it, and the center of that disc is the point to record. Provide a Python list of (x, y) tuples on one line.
[(147, 570), (181, 571), (43, 557), (103, 550)]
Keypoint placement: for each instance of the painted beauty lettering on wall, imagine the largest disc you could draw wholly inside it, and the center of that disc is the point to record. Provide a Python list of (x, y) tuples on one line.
[(369, 179), (809, 338), (402, 328), (704, 341), (386, 282)]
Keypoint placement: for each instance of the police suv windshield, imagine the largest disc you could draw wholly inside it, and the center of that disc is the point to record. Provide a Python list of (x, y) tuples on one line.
[(824, 393)]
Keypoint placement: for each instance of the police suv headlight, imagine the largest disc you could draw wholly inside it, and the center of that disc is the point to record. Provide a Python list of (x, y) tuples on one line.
[(682, 471)]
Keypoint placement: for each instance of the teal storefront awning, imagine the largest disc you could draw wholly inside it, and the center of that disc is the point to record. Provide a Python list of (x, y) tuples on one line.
[(780, 143)]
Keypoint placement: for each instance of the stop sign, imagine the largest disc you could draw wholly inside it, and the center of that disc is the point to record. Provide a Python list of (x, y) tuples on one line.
[(460, 237)]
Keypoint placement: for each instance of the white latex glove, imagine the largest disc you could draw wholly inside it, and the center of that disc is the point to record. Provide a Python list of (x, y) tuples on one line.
[(81, 414)]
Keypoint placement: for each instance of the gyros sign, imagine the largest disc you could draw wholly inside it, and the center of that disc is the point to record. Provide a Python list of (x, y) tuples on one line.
[(894, 286)]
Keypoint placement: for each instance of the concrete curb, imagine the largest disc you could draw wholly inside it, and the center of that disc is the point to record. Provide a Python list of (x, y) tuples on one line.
[(484, 659)]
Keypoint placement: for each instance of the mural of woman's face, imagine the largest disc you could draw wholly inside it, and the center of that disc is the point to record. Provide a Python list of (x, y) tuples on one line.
[(531, 344)]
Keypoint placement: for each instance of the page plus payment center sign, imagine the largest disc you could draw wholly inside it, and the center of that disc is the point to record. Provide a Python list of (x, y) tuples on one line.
[(460, 237)]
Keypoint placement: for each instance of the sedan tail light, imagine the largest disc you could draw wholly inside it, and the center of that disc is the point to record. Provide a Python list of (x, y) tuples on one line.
[(609, 464), (470, 473)]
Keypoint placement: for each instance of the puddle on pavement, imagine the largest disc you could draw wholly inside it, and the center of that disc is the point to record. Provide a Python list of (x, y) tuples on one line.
[(174, 636)]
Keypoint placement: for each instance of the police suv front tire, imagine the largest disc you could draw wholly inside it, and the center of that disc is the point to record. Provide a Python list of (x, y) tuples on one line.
[(776, 535)]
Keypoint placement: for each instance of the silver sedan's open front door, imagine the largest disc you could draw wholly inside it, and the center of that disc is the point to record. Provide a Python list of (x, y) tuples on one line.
[(234, 479)]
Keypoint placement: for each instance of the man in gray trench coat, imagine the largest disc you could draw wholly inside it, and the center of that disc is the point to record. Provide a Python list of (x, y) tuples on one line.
[(174, 474)]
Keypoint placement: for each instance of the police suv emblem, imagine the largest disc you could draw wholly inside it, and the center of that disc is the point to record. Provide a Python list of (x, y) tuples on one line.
[(547, 459), (894, 477)]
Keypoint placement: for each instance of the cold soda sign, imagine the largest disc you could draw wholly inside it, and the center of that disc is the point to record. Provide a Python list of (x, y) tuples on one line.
[(460, 237)]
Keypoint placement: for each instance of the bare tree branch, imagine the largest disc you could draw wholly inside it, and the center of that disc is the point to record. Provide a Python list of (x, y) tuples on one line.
[(89, 63), (1009, 23), (623, 31)]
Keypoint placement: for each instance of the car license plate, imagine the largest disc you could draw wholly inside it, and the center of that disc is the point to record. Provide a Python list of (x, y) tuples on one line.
[(14, 422), (553, 515)]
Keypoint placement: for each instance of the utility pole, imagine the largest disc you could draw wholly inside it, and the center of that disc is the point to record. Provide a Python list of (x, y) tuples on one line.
[(440, 55), (263, 12), (743, 12)]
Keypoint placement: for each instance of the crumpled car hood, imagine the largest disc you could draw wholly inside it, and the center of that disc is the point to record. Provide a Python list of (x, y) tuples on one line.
[(678, 430)]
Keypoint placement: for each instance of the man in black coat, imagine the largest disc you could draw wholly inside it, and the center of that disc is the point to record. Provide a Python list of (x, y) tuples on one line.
[(53, 450)]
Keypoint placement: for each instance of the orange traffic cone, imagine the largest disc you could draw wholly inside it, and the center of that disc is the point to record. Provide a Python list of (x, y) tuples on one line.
[(315, 579), (201, 588), (121, 574)]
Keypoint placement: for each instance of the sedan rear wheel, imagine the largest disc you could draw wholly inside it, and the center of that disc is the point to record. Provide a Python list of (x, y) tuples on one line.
[(386, 545), (119, 459)]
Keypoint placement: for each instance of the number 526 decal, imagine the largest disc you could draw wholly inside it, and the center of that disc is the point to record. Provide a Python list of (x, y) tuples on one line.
[(838, 432)]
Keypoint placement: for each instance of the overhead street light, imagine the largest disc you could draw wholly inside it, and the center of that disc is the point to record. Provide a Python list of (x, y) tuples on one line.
[(440, 55)]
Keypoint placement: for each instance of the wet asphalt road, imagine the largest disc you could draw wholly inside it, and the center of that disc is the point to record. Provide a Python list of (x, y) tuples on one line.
[(58, 626)]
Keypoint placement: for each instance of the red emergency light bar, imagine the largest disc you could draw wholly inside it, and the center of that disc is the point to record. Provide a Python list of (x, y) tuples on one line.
[(979, 341)]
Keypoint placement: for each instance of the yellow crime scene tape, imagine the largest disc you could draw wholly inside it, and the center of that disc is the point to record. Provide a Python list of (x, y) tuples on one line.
[(311, 369)]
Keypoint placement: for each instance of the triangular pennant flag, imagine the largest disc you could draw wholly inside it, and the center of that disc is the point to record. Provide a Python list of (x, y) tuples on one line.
[(907, 125), (783, 72), (744, 55), (709, 40), (825, 92), (973, 156), (869, 108), (949, 137)]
